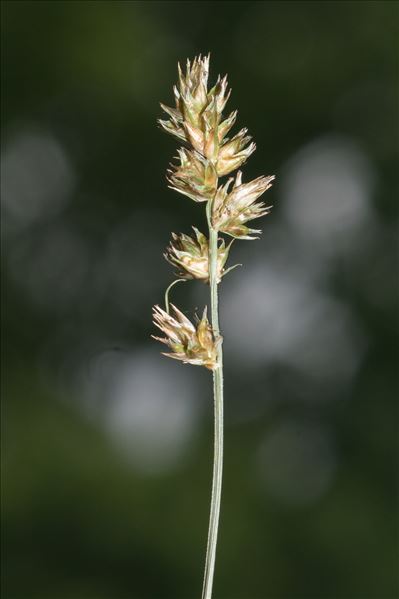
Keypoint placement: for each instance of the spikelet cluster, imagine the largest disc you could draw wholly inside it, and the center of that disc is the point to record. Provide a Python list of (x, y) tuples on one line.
[(232, 209), (207, 154), (191, 256), (194, 177), (192, 344), (197, 119)]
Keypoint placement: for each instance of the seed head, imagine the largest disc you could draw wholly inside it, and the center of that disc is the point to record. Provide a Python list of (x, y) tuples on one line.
[(194, 177), (192, 344), (191, 256), (231, 210)]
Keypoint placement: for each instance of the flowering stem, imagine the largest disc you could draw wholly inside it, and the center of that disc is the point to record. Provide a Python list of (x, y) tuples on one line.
[(197, 120), (218, 412)]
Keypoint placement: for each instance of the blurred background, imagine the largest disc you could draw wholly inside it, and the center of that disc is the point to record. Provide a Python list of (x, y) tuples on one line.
[(107, 446)]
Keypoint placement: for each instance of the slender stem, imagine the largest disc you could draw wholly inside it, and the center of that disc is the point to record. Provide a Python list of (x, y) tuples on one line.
[(218, 407), (168, 290)]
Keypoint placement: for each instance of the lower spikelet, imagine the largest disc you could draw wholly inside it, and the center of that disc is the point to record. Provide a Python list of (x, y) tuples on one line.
[(192, 344)]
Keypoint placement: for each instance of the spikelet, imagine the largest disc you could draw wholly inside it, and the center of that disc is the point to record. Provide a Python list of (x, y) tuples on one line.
[(234, 153), (197, 118), (194, 177), (231, 210), (191, 256), (189, 343)]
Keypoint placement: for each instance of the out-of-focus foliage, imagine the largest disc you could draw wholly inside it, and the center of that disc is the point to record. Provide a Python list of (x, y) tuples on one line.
[(107, 446)]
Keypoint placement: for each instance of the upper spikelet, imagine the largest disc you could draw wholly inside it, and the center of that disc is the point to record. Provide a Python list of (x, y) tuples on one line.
[(197, 118)]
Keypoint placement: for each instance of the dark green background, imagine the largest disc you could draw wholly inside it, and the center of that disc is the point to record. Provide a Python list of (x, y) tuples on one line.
[(107, 446)]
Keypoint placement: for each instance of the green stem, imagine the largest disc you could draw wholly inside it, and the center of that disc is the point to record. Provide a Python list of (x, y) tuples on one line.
[(218, 411), (168, 290)]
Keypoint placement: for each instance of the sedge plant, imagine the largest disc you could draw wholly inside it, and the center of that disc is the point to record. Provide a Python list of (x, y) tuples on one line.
[(207, 155)]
